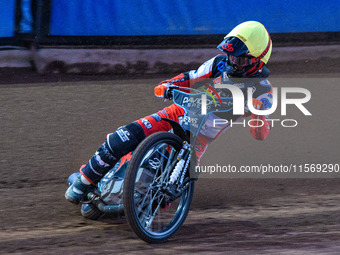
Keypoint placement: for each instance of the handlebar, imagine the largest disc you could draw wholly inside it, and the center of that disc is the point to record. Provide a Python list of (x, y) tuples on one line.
[(168, 91)]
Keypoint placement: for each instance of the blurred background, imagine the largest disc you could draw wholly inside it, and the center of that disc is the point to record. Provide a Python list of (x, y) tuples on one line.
[(133, 37)]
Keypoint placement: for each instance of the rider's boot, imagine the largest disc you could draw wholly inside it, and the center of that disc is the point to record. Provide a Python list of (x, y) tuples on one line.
[(78, 190)]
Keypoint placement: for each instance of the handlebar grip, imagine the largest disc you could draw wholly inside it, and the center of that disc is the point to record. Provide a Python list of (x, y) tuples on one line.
[(168, 93)]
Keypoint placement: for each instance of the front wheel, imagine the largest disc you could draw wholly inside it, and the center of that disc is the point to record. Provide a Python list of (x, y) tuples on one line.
[(151, 213)]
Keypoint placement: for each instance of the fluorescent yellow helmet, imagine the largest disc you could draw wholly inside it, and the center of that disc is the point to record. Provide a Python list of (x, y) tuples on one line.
[(254, 36)]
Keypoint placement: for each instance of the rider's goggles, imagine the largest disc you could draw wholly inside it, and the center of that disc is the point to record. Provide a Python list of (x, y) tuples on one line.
[(242, 61)]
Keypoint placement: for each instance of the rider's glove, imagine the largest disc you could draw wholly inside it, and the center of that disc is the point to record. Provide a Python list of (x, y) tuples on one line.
[(160, 89), (257, 104)]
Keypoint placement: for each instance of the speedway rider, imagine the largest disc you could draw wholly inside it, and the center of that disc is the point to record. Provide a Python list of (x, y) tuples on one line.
[(247, 49)]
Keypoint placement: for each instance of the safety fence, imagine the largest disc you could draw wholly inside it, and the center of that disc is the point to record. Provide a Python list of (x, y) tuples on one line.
[(156, 23)]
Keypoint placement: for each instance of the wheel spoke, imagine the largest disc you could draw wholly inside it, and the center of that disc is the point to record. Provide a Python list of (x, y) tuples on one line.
[(153, 215)]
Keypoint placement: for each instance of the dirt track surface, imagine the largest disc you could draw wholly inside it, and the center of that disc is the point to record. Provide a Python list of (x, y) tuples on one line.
[(47, 130)]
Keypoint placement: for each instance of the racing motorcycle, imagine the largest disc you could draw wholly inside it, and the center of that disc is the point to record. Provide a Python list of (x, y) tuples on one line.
[(153, 186)]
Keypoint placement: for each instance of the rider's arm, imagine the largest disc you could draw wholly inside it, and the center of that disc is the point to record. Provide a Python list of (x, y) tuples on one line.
[(260, 126), (257, 131), (211, 68)]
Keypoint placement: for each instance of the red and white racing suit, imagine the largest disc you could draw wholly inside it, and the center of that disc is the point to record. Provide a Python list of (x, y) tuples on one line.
[(214, 68), (126, 139)]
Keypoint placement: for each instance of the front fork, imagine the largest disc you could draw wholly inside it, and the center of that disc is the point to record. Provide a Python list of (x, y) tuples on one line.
[(179, 179)]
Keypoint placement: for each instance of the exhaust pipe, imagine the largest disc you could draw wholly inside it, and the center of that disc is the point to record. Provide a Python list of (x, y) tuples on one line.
[(109, 209)]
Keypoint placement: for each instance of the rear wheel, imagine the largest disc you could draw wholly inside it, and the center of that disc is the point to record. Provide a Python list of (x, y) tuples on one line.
[(151, 213)]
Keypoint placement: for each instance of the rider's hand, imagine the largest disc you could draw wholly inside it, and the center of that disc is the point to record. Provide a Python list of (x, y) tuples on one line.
[(160, 89), (257, 104)]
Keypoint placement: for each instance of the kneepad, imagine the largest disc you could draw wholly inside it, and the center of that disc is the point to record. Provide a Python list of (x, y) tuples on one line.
[(124, 140), (116, 145)]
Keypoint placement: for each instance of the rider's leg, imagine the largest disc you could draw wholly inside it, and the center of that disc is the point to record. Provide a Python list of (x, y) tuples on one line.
[(116, 145), (201, 145), (153, 123), (208, 134)]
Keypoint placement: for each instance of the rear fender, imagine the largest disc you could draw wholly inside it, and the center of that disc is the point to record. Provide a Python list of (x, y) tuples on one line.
[(178, 130)]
